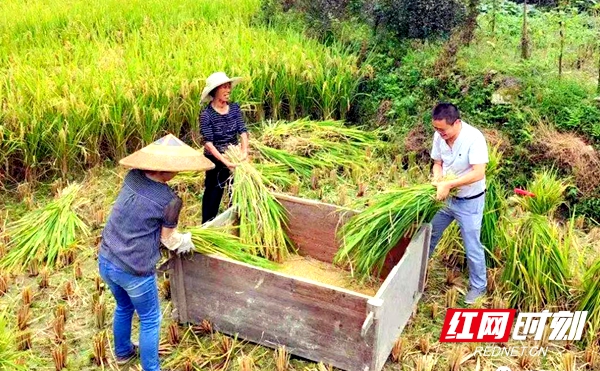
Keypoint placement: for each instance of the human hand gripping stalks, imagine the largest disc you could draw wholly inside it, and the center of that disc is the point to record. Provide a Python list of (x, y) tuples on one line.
[(262, 219)]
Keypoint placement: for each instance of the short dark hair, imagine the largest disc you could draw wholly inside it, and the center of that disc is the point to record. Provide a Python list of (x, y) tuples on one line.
[(213, 92), (446, 111)]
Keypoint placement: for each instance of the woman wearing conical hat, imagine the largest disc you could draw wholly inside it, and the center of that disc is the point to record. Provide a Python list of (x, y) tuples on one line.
[(144, 215), (221, 123)]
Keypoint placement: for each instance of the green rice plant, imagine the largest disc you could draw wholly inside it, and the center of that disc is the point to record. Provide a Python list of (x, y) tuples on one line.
[(8, 353), (549, 193), (368, 236), (276, 174), (221, 242), (588, 299), (494, 208), (262, 219), (106, 86), (537, 269), (301, 165), (46, 233)]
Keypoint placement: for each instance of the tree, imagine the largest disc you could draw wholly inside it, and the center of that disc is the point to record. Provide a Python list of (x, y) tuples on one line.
[(525, 52)]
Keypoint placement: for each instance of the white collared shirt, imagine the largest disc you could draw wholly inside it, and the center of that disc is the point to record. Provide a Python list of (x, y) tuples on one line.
[(469, 148)]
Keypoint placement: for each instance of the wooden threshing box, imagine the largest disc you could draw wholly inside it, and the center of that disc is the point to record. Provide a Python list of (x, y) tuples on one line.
[(319, 322)]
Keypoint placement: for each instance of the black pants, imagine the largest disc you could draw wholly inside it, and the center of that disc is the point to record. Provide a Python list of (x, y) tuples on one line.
[(216, 181)]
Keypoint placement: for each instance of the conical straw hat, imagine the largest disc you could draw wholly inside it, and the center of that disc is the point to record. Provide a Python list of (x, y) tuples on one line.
[(168, 154)]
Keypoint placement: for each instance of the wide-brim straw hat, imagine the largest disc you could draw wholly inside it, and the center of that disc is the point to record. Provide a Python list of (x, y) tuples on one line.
[(214, 81), (168, 154)]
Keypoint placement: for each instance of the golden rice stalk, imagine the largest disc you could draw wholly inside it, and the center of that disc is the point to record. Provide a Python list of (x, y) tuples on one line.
[(425, 362), (282, 359), (568, 362), (451, 297), (24, 340), (61, 312), (173, 333), (100, 314), (59, 355), (424, 344), (435, 310), (453, 277), (188, 365), (591, 356), (3, 283), (226, 344), (528, 362), (44, 279), (77, 272), (26, 296), (165, 289), (67, 290), (322, 367), (99, 284), (246, 363), (205, 327), (456, 358), (398, 350), (33, 268), (67, 257), (99, 351), (23, 316), (262, 218), (498, 302), (59, 329)]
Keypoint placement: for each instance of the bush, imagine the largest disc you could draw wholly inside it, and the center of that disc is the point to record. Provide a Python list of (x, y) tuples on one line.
[(419, 19)]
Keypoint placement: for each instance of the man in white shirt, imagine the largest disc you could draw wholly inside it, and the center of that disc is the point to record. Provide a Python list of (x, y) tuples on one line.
[(460, 152)]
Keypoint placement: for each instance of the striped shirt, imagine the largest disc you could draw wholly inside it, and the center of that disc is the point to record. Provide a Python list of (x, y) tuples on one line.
[(131, 237), (222, 130)]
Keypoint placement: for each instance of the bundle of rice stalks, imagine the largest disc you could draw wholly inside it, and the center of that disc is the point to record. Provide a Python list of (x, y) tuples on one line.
[(8, 353), (99, 348), (537, 268), (262, 219), (368, 236), (494, 208), (323, 143), (548, 190), (219, 241), (45, 233), (59, 355), (589, 300)]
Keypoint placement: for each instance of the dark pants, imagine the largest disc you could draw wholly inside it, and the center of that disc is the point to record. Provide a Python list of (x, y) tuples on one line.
[(216, 181)]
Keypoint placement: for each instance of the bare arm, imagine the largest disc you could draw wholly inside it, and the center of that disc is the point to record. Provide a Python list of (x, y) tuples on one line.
[(244, 137), (476, 174), (437, 170)]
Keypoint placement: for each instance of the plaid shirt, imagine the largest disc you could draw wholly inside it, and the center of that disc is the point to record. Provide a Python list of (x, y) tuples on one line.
[(131, 237)]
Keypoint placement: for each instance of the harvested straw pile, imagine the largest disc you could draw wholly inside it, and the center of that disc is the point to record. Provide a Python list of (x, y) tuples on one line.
[(221, 242), (262, 219), (571, 153), (46, 233), (536, 251), (303, 145), (369, 236)]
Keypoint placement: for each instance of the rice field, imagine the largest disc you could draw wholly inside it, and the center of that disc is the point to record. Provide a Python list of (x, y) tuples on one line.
[(82, 82)]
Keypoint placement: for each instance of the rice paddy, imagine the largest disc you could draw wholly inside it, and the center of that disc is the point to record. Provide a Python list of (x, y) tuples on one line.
[(85, 82)]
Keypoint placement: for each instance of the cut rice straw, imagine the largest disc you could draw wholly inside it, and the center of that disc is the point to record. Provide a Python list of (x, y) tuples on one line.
[(220, 241), (45, 233), (370, 235), (262, 219)]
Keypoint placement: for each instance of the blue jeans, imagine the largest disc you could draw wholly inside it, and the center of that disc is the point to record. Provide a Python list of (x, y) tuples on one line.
[(468, 214), (134, 293)]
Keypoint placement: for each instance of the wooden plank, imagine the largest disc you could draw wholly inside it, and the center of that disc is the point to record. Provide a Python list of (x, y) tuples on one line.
[(312, 226), (398, 296), (314, 321), (179, 294)]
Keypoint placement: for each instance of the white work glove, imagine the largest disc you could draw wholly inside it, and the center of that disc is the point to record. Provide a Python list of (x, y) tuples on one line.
[(186, 243), (178, 242)]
